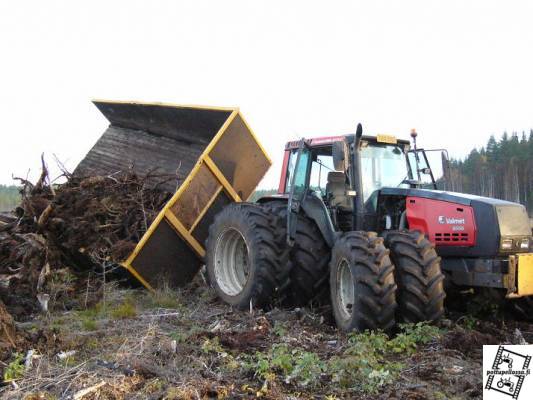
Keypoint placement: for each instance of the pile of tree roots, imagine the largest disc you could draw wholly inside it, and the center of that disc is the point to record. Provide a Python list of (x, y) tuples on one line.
[(62, 235)]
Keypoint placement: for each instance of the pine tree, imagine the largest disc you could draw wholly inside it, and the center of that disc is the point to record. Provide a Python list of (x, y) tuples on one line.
[(503, 169)]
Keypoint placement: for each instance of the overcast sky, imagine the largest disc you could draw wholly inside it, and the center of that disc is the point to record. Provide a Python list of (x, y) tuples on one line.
[(457, 71)]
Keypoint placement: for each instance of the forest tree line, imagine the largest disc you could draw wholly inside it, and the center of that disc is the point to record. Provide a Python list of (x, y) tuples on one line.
[(502, 169), (9, 197)]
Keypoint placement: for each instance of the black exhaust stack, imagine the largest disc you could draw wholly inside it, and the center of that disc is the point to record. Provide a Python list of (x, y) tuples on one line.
[(357, 182)]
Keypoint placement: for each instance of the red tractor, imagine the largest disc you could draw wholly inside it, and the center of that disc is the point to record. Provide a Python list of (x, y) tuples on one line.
[(364, 217)]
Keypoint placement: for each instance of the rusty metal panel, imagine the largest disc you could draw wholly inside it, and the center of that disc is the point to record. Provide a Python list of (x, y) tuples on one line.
[(179, 140)]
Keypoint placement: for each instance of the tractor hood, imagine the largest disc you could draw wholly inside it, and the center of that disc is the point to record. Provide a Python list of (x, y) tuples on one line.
[(495, 219)]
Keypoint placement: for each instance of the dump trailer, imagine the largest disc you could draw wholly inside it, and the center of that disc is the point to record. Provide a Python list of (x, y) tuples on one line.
[(216, 160)]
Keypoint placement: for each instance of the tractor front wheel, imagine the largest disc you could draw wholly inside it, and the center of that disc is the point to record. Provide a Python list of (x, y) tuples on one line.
[(363, 291), (418, 275)]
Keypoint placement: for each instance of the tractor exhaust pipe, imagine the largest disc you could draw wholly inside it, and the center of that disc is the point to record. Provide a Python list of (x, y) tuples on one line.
[(357, 183)]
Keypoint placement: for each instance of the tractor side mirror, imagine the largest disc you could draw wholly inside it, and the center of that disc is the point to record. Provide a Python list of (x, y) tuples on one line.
[(440, 167), (446, 171), (338, 156)]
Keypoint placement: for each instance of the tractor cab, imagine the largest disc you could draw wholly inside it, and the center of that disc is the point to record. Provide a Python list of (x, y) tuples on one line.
[(347, 180)]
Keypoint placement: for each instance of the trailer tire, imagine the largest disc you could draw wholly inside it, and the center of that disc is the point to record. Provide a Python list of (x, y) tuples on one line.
[(418, 275), (246, 256), (309, 259), (363, 291)]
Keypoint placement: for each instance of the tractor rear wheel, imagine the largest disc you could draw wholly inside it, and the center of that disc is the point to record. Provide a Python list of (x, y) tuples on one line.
[(246, 256), (309, 259), (418, 275), (363, 291)]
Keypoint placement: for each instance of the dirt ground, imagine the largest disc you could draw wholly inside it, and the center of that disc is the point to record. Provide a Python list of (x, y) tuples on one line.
[(189, 345)]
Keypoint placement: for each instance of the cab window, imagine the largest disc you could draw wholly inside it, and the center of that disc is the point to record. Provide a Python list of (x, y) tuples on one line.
[(290, 170)]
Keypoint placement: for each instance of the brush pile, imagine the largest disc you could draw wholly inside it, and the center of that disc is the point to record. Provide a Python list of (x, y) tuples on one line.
[(60, 233)]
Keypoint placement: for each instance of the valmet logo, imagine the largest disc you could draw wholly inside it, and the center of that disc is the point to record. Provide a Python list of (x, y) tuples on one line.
[(451, 221)]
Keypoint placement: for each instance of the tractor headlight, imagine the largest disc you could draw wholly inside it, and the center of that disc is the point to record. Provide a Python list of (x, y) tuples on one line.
[(507, 244), (524, 244)]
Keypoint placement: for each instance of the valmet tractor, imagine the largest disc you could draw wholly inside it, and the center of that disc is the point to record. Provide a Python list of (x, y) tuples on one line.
[(364, 216)]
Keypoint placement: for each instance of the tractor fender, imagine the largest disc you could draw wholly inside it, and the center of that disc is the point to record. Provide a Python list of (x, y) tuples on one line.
[(315, 209)]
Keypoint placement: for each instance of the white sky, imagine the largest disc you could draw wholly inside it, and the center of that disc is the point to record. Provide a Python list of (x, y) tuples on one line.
[(457, 71)]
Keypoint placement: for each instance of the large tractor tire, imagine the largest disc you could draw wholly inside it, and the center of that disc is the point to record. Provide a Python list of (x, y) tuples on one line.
[(247, 259), (418, 275), (363, 291), (309, 260)]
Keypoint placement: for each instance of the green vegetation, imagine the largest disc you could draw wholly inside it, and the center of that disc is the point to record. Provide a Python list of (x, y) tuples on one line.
[(127, 309), (89, 324), (369, 361), (501, 169), (164, 297), (15, 369), (280, 329), (182, 336), (292, 364), (88, 318), (365, 365), (9, 197), (212, 346)]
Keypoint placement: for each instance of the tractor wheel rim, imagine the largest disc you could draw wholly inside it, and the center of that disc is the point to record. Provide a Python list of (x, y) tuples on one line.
[(231, 262), (345, 290)]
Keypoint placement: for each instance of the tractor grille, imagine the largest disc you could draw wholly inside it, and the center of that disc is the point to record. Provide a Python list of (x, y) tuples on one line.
[(451, 237)]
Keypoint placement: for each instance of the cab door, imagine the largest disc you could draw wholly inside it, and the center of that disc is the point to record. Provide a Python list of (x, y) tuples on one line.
[(299, 184)]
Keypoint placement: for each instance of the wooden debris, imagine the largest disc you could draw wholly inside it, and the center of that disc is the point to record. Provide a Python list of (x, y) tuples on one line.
[(87, 225), (80, 394)]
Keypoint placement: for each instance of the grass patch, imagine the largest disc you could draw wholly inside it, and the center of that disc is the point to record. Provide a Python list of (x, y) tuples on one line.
[(164, 298), (183, 336), (93, 312), (89, 324), (126, 309), (88, 318)]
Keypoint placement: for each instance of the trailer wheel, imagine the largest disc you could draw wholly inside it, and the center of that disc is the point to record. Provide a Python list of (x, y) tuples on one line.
[(363, 291), (309, 258), (418, 275), (246, 256)]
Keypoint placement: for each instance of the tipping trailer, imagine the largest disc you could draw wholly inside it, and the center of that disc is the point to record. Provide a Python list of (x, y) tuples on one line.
[(215, 157)]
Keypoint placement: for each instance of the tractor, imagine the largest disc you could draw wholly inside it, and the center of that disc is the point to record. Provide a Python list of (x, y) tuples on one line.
[(368, 220)]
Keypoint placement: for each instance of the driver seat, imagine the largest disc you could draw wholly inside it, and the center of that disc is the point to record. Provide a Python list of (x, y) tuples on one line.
[(336, 188)]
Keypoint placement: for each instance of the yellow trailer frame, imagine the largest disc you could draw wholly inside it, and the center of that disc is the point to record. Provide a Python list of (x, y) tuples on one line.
[(228, 170)]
